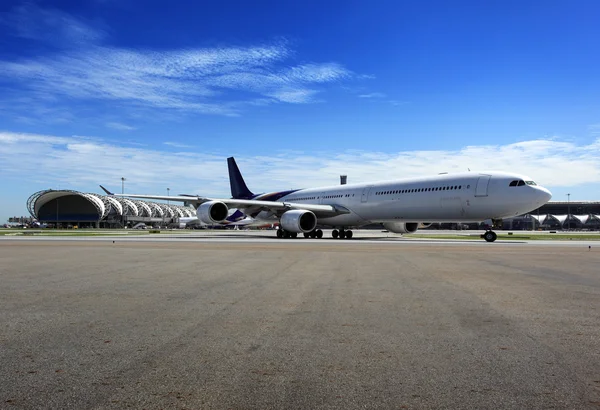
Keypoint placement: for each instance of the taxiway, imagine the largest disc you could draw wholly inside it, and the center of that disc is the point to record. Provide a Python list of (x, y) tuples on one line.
[(255, 322)]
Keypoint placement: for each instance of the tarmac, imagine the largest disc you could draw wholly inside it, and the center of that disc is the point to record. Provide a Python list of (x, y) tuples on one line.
[(218, 322)]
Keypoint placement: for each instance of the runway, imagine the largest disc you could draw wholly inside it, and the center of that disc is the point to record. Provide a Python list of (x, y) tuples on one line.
[(362, 236), (254, 322)]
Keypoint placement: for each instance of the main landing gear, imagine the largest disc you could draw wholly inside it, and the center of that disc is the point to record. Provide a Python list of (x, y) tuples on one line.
[(315, 234), (341, 234), (286, 234)]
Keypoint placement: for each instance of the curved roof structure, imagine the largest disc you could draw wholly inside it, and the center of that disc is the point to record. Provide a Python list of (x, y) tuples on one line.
[(68, 205)]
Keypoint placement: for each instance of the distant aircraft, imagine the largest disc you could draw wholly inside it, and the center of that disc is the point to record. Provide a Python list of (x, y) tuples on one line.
[(402, 205)]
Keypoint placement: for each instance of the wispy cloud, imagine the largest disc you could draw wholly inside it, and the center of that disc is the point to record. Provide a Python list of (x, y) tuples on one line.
[(372, 95), (83, 162), (594, 129), (220, 80), (177, 144), (49, 25), (119, 126)]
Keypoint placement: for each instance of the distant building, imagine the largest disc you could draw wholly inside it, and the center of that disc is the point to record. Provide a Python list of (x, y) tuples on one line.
[(65, 207)]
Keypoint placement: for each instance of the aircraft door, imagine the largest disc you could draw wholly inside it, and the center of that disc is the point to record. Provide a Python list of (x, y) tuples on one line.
[(365, 194), (482, 185)]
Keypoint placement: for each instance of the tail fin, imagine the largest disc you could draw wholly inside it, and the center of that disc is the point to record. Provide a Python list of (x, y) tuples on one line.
[(239, 190), (106, 190)]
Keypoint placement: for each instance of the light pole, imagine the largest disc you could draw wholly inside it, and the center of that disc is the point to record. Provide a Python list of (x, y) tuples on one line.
[(123, 185), (168, 194), (569, 211)]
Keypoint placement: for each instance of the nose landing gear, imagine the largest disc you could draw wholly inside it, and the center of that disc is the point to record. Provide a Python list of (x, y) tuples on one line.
[(489, 236)]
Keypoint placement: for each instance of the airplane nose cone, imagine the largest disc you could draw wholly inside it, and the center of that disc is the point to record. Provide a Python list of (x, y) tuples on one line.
[(544, 195)]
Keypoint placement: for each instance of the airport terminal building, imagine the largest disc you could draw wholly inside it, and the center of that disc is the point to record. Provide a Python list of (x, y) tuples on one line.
[(66, 208)]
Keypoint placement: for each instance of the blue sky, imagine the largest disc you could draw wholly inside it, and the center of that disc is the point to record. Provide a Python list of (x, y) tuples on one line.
[(300, 92)]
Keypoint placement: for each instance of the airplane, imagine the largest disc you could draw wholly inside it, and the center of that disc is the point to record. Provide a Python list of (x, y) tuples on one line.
[(402, 206)]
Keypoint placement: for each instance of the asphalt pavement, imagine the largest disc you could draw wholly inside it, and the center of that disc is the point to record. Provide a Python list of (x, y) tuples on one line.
[(275, 325)]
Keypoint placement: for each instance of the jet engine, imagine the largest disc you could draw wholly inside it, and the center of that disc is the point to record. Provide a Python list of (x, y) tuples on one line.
[(298, 221), (401, 227), (425, 225), (212, 212)]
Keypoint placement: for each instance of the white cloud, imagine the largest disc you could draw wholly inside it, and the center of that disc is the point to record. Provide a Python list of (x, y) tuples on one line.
[(218, 80), (396, 103), (372, 95), (177, 144), (119, 126), (49, 25), (594, 129), (83, 162), (294, 96)]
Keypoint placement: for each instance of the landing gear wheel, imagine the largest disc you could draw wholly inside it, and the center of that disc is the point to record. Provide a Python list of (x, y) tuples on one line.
[(307, 234), (342, 234), (348, 234), (279, 233), (293, 235), (286, 234), (490, 236), (335, 233), (319, 233)]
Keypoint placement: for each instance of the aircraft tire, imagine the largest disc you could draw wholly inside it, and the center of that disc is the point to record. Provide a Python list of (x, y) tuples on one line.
[(279, 233), (293, 235), (348, 234), (342, 234), (307, 234), (335, 233), (490, 236), (319, 233)]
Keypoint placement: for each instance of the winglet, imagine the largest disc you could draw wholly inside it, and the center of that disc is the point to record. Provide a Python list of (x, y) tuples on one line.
[(106, 190), (239, 190)]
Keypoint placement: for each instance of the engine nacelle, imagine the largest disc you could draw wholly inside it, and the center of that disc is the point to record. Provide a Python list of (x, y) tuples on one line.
[(298, 221), (401, 227), (425, 225), (212, 212)]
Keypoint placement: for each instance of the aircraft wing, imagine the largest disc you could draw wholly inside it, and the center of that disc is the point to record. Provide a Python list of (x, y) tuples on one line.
[(190, 199), (251, 206)]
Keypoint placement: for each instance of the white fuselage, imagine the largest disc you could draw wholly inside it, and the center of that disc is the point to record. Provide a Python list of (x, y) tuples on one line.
[(467, 197)]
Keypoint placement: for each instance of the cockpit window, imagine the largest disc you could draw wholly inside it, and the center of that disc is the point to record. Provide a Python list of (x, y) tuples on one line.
[(513, 183), (521, 183), (530, 183)]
